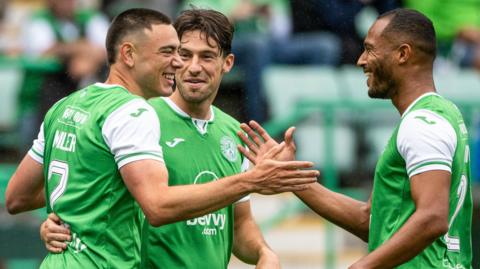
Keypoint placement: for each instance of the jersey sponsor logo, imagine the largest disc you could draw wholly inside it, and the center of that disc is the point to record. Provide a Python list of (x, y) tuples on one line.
[(217, 220), (424, 119), (74, 116), (64, 141), (138, 112), (76, 243), (229, 148), (175, 142), (213, 221)]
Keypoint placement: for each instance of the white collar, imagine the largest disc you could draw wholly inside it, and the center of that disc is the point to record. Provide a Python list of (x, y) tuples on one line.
[(200, 124), (416, 101)]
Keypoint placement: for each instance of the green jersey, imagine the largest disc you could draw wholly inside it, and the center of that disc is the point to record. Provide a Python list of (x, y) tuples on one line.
[(196, 152), (430, 136), (84, 140)]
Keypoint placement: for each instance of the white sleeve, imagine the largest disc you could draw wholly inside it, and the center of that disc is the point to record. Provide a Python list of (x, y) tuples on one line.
[(36, 151), (37, 37), (132, 132), (96, 30), (426, 141), (245, 167)]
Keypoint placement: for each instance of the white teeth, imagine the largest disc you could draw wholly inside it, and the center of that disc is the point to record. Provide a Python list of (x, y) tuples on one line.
[(169, 76)]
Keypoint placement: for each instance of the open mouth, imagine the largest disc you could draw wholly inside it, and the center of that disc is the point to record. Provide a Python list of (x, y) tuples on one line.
[(169, 76)]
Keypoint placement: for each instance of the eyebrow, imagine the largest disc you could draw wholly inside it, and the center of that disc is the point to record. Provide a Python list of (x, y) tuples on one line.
[(367, 45), (173, 47), (205, 51)]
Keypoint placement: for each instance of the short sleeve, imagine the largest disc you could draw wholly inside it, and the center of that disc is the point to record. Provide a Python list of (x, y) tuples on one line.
[(132, 132), (426, 141), (38, 147), (245, 167)]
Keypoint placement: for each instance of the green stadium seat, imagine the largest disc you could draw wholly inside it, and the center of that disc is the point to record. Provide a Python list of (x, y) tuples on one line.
[(286, 85), (11, 77), (462, 86), (311, 143)]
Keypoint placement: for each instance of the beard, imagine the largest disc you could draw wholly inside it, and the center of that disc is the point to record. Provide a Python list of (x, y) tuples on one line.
[(383, 86), (194, 97)]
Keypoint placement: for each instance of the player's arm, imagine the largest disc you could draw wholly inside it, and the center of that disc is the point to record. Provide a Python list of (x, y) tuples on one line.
[(249, 244), (25, 190), (430, 192), (348, 213), (147, 180), (427, 142), (133, 137)]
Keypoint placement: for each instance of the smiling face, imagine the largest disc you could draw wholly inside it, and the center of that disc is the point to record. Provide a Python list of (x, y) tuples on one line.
[(376, 61), (204, 65), (156, 60)]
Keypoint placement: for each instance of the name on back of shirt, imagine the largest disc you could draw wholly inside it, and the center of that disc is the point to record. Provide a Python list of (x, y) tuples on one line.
[(64, 141)]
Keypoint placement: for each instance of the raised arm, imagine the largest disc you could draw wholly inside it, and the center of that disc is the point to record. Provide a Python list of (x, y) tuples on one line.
[(348, 213)]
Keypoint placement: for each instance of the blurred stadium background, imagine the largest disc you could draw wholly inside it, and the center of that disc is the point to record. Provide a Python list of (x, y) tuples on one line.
[(295, 66)]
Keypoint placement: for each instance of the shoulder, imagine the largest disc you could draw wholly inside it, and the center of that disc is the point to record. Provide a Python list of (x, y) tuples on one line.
[(158, 103), (424, 124), (225, 118)]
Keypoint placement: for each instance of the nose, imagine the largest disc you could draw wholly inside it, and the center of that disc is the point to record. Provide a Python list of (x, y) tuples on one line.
[(194, 66), (177, 62), (362, 61)]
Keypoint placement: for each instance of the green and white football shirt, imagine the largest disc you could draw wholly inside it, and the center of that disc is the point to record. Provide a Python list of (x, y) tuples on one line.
[(430, 136), (84, 141), (196, 152)]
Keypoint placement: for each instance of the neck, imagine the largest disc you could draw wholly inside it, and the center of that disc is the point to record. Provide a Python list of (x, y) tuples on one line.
[(117, 76), (413, 86), (195, 110)]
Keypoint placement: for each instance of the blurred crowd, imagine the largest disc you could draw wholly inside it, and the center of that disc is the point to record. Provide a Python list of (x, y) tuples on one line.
[(70, 35)]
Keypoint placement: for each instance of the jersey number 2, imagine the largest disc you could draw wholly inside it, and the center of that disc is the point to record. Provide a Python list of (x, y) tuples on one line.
[(453, 243)]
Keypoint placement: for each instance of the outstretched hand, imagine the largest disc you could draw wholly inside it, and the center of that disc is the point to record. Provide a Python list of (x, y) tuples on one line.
[(259, 142)]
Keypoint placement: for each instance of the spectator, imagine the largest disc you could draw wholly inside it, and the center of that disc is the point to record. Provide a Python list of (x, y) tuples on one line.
[(338, 17), (115, 7), (458, 28), (73, 37)]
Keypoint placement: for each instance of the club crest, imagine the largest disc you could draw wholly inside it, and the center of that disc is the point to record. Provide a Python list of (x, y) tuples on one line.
[(229, 148)]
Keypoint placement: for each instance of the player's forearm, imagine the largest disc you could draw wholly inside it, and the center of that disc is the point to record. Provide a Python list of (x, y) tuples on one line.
[(421, 229), (175, 203), (249, 244), (350, 214)]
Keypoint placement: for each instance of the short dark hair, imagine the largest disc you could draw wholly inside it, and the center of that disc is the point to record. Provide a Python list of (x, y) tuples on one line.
[(131, 21), (413, 27), (212, 23)]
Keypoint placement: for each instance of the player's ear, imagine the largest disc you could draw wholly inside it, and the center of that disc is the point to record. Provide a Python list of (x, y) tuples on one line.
[(404, 53), (126, 52), (228, 63)]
